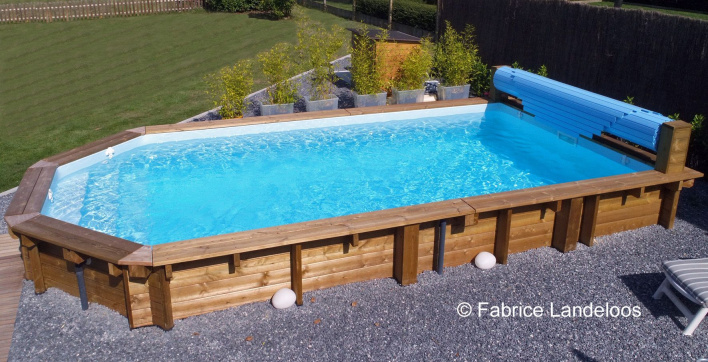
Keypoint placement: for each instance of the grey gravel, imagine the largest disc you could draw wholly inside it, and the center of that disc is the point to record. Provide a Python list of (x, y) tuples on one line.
[(4, 203), (417, 322)]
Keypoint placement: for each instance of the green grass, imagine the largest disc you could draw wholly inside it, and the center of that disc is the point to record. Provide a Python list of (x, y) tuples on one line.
[(337, 4), (689, 14), (65, 84)]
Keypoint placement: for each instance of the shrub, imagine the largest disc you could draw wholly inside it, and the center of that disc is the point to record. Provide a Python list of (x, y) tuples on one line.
[(415, 69), (279, 8), (278, 68), (698, 148), (406, 12), (316, 46), (367, 74), (455, 56), (229, 87), (232, 6), (481, 79)]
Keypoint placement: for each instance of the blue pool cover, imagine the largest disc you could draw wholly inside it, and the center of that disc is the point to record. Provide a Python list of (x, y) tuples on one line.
[(575, 111)]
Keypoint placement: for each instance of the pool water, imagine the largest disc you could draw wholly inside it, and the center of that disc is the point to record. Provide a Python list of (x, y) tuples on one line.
[(164, 192)]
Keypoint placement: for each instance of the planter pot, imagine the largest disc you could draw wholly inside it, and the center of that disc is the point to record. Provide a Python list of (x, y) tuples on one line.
[(408, 96), (369, 100), (322, 105), (273, 109), (454, 92)]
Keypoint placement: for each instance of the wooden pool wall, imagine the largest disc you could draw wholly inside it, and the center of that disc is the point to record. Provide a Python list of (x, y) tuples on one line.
[(156, 285)]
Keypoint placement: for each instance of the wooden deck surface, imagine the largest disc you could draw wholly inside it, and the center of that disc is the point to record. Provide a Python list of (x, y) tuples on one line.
[(11, 275)]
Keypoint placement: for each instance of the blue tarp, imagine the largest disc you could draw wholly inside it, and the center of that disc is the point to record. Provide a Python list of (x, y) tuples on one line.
[(576, 111)]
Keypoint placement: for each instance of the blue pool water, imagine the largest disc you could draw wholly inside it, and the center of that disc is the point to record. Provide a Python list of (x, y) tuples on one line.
[(170, 191)]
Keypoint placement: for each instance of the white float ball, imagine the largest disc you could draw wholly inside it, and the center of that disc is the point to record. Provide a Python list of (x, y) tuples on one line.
[(283, 298), (485, 260)]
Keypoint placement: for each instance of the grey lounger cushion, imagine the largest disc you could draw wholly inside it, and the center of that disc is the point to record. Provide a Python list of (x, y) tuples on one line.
[(691, 275)]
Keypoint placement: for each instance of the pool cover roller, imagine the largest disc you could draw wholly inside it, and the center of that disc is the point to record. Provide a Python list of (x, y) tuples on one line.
[(575, 111)]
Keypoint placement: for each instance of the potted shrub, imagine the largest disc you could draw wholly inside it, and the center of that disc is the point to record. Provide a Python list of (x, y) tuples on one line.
[(366, 72), (454, 62), (278, 68), (316, 47), (408, 83), (229, 87)]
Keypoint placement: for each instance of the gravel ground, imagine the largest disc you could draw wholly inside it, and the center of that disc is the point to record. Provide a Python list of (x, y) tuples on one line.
[(417, 322), (4, 203)]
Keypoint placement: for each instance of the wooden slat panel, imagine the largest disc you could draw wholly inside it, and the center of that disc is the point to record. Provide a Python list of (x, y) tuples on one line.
[(224, 283), (604, 217), (218, 267), (625, 224), (307, 231), (351, 276), (223, 301)]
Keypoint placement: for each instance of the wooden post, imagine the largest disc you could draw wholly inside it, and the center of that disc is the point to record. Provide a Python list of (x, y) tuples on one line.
[(405, 254), (502, 236), (669, 203), (566, 229), (160, 299), (587, 226), (390, 14), (672, 149), (296, 271), (34, 263)]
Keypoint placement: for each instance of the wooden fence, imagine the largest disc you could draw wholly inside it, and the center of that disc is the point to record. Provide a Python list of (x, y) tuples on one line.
[(90, 9), (658, 59)]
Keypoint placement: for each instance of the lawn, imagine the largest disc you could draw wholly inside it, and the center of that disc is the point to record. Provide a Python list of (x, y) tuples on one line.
[(337, 4), (689, 14), (65, 84)]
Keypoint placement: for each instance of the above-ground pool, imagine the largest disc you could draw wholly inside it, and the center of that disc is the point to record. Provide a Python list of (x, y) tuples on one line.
[(169, 187), (166, 222)]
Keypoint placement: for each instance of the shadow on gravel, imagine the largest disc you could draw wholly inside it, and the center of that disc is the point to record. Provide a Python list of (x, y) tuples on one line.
[(582, 356), (643, 287)]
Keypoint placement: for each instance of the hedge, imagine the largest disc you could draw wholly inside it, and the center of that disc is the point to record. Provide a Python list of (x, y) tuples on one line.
[(410, 13), (697, 5), (233, 6)]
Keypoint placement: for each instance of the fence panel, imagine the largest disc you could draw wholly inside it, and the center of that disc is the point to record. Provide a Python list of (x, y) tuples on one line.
[(89, 9), (659, 59)]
